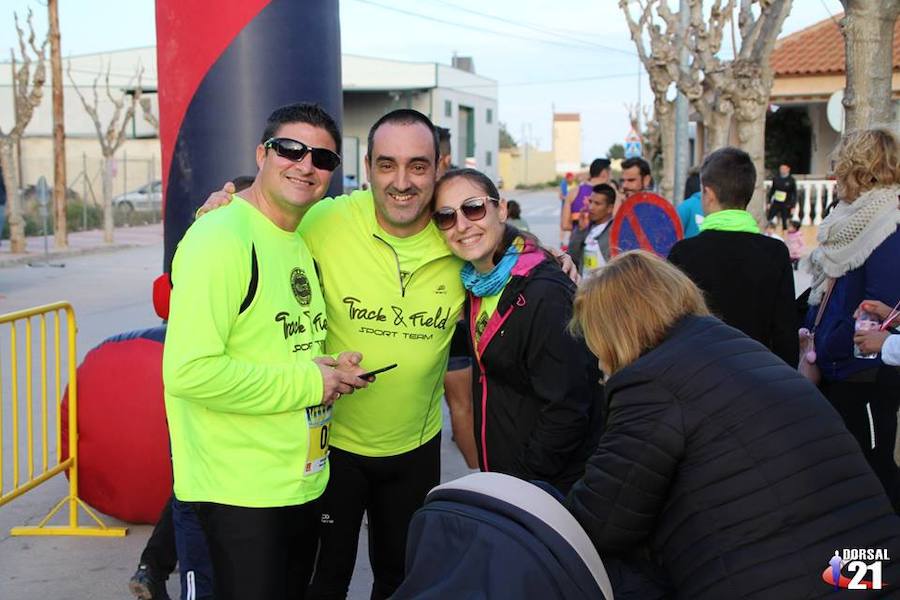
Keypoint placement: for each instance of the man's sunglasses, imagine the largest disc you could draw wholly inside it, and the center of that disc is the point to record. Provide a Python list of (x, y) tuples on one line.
[(322, 158), (473, 209)]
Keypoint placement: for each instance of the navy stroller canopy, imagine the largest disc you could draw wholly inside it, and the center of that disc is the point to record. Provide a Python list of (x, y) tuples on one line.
[(490, 535)]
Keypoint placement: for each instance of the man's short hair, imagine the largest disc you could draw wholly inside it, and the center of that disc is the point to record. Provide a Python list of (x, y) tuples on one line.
[(302, 112), (598, 165), (692, 184), (443, 141), (604, 189), (640, 163), (730, 173), (404, 116)]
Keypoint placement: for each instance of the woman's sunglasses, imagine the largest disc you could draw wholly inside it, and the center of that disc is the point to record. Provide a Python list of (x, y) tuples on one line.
[(473, 209), (322, 158)]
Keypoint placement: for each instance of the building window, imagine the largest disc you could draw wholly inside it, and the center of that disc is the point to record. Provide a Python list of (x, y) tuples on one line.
[(448, 108), (490, 115), (489, 159)]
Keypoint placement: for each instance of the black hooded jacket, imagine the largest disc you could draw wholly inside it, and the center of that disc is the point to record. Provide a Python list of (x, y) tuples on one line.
[(536, 391)]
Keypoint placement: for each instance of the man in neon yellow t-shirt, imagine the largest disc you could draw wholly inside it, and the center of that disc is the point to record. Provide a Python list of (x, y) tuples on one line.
[(248, 390)]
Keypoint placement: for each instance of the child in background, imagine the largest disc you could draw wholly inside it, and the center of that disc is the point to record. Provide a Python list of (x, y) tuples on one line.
[(796, 245), (514, 216)]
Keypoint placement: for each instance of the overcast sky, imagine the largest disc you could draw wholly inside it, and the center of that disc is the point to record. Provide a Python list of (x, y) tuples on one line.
[(571, 55)]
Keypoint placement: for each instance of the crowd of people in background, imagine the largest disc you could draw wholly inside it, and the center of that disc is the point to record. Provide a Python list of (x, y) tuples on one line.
[(708, 445)]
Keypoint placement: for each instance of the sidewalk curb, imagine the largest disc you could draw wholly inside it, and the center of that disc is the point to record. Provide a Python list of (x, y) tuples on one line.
[(23, 259)]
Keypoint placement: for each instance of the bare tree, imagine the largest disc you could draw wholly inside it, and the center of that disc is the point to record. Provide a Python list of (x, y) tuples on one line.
[(720, 90), (113, 136), (29, 80), (751, 84), (739, 87), (658, 49), (704, 87), (60, 229), (149, 116), (868, 28)]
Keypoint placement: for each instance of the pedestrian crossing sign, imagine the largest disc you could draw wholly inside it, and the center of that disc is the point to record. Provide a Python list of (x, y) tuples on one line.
[(632, 149)]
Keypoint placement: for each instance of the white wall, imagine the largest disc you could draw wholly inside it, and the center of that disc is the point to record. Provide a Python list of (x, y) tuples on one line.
[(137, 162), (365, 73), (122, 68), (480, 94)]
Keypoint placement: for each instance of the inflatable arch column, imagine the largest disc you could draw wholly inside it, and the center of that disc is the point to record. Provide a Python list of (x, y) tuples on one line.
[(223, 67)]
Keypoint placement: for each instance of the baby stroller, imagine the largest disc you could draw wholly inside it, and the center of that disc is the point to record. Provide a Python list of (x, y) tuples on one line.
[(490, 535)]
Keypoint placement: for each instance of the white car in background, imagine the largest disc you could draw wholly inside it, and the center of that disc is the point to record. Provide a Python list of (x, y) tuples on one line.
[(146, 197)]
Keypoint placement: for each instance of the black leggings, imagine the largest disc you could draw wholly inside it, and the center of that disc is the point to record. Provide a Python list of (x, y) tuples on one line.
[(260, 553), (390, 489), (780, 209), (869, 410)]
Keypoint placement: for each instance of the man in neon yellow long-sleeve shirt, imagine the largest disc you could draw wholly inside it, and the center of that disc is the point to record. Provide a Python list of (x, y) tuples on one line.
[(248, 390), (393, 291)]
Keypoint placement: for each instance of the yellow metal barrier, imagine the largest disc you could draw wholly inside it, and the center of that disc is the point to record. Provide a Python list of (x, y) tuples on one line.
[(31, 479)]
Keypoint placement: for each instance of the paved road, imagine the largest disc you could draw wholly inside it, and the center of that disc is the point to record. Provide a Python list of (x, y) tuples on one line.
[(111, 294)]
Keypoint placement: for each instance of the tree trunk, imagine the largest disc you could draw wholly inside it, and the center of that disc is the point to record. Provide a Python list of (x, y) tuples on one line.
[(13, 199), (665, 118), (108, 223), (868, 28), (59, 132), (718, 130), (753, 83), (751, 130)]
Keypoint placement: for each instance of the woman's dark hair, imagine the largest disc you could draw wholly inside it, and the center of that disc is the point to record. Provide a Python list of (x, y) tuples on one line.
[(487, 186), (473, 176), (513, 209)]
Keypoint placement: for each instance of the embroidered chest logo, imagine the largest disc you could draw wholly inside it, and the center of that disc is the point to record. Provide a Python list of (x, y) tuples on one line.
[(481, 324), (300, 286)]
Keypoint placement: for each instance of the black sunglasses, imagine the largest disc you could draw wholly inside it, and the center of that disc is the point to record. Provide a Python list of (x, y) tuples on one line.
[(473, 209), (322, 158)]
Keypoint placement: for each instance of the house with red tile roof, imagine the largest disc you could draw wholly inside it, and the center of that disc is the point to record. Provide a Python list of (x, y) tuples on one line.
[(809, 67)]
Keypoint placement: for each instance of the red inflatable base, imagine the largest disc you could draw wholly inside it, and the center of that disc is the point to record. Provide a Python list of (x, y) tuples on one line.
[(123, 447)]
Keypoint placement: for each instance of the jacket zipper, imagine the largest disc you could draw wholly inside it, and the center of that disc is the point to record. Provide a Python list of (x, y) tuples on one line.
[(396, 262), (403, 286), (475, 306)]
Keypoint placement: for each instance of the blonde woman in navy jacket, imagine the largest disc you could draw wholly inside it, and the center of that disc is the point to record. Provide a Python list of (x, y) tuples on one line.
[(721, 472)]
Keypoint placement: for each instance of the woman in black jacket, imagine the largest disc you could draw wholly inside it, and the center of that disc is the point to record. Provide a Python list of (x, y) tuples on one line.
[(721, 472), (536, 389)]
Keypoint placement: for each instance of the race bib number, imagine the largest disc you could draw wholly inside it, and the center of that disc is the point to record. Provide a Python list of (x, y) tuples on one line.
[(779, 196), (318, 422), (593, 259)]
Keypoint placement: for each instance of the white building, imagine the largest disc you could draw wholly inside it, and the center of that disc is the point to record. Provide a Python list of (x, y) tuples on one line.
[(452, 96)]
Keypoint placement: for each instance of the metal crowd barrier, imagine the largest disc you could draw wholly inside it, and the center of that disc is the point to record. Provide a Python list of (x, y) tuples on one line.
[(37, 438)]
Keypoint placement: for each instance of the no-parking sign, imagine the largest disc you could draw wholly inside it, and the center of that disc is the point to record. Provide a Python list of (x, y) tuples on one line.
[(646, 221)]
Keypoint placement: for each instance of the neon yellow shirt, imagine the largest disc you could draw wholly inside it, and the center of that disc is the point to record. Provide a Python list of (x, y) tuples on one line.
[(242, 393), (390, 319), (486, 311)]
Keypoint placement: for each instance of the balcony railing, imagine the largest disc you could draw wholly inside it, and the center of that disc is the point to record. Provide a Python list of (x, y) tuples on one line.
[(814, 196)]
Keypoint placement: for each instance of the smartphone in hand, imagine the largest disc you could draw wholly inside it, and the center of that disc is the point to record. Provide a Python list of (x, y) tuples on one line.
[(371, 374)]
